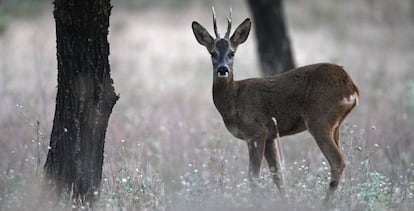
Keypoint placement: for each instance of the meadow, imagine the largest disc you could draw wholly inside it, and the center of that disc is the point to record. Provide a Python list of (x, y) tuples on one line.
[(166, 146)]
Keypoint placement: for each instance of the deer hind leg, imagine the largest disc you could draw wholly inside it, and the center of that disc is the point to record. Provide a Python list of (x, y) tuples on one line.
[(323, 135), (273, 157), (337, 135), (337, 131), (256, 152)]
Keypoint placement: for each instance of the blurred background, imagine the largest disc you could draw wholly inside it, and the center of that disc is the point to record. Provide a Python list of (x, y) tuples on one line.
[(166, 145)]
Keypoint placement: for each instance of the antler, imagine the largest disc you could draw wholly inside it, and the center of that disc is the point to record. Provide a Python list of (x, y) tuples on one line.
[(228, 25), (215, 23)]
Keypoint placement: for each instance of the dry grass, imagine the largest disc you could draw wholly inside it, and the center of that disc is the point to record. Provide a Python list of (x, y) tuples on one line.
[(166, 145)]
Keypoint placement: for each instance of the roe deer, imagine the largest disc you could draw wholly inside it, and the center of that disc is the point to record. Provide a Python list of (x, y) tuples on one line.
[(316, 98)]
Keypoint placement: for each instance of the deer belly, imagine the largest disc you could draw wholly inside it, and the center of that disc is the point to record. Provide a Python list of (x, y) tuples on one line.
[(234, 130)]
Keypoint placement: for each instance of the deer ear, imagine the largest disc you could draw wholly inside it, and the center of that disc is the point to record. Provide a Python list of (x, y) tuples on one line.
[(202, 36), (241, 33)]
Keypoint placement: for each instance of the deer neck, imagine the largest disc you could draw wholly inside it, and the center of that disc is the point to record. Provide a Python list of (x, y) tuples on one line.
[(224, 93)]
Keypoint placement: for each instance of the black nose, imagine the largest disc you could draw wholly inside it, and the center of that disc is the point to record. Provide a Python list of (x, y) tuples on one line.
[(222, 70)]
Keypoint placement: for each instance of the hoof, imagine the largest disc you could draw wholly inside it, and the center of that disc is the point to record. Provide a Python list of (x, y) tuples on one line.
[(333, 184)]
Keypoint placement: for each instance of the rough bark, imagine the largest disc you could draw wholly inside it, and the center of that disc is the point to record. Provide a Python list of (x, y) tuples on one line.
[(272, 37), (85, 98)]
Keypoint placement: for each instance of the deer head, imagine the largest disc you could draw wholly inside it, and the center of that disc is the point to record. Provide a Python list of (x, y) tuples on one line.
[(222, 50)]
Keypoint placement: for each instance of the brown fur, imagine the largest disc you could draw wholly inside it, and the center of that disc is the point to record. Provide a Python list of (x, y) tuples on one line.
[(316, 98)]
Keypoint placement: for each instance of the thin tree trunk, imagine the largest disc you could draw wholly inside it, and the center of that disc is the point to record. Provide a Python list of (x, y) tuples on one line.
[(272, 37), (84, 101)]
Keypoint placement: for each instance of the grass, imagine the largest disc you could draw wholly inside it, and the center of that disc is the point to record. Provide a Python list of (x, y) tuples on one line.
[(166, 146), (135, 185)]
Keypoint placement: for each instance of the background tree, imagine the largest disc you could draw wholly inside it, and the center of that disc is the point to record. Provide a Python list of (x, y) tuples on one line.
[(272, 37), (84, 101)]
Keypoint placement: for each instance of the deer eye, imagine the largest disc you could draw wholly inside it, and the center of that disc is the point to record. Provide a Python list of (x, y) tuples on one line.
[(213, 54), (231, 54)]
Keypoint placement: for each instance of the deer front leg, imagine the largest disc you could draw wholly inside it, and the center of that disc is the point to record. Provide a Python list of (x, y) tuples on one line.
[(272, 154), (256, 151)]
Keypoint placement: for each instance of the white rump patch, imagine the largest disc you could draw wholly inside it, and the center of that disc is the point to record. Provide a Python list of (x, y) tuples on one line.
[(351, 100)]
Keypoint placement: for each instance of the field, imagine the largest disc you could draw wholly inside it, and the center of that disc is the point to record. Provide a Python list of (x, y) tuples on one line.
[(166, 145)]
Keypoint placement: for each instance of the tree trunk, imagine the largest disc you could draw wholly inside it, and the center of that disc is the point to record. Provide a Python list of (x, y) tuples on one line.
[(273, 42), (85, 98)]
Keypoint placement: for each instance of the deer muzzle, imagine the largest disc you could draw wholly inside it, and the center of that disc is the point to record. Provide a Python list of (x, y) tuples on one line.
[(222, 72)]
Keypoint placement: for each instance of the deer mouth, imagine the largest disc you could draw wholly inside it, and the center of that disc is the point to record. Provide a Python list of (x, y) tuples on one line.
[(222, 73)]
